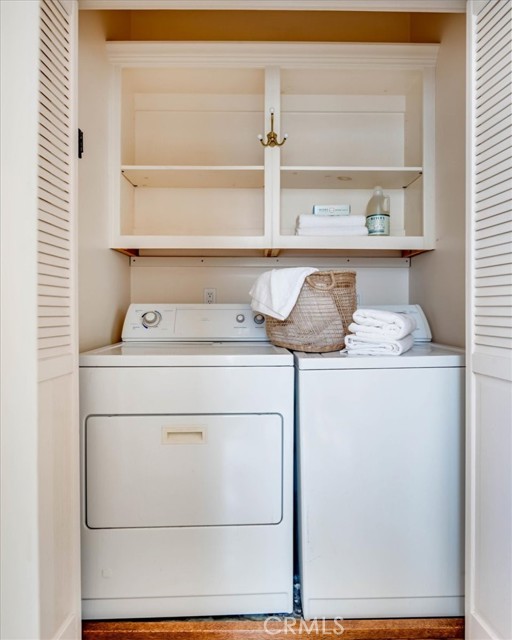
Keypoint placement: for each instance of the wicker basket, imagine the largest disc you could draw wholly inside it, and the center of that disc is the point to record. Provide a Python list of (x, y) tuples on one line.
[(319, 320)]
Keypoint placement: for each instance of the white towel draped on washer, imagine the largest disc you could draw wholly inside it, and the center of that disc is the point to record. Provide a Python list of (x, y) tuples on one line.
[(275, 292), (379, 323), (364, 346)]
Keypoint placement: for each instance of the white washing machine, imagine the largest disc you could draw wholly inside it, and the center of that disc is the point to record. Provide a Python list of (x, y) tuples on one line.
[(381, 483), (187, 466)]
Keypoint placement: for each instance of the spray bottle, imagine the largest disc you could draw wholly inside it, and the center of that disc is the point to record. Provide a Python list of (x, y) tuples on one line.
[(377, 214)]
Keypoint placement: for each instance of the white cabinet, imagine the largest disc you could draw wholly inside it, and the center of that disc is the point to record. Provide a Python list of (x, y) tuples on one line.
[(188, 171)]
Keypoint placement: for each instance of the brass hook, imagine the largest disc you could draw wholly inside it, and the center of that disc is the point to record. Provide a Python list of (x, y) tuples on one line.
[(272, 135)]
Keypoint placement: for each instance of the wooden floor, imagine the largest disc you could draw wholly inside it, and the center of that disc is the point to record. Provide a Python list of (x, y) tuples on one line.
[(289, 628)]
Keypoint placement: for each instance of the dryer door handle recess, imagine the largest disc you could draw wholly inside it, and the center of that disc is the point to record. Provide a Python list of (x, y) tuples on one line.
[(183, 435)]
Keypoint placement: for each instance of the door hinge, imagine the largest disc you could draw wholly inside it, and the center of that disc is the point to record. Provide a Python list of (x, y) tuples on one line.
[(80, 143)]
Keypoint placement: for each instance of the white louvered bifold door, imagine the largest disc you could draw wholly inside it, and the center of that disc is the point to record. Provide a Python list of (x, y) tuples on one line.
[(489, 443), (59, 500)]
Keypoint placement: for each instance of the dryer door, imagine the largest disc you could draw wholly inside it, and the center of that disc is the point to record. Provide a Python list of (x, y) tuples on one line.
[(183, 470)]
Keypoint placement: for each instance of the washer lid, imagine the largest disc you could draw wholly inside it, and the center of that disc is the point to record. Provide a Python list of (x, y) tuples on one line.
[(188, 354), (422, 355)]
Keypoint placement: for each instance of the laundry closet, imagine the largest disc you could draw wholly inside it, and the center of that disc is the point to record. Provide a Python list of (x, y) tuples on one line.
[(174, 176), (202, 155)]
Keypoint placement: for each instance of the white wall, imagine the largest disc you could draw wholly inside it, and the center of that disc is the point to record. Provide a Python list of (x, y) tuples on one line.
[(437, 279), (378, 281), (104, 274)]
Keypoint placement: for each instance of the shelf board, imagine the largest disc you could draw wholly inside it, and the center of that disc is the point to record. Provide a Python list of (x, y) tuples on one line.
[(300, 177), (137, 242), (366, 243), (195, 177)]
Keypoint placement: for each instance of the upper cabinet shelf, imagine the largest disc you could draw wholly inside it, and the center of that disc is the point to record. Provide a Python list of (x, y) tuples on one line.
[(188, 171), (195, 177), (348, 177)]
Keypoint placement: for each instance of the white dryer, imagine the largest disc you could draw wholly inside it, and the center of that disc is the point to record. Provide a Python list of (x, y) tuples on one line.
[(381, 483), (187, 466)]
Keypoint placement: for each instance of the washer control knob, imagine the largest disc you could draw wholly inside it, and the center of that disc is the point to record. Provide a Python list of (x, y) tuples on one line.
[(259, 318), (240, 318), (151, 319)]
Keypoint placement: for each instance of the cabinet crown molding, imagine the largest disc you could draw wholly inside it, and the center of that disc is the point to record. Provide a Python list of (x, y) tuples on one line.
[(423, 6), (245, 54)]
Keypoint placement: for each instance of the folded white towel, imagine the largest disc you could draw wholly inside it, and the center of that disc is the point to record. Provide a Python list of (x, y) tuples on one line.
[(380, 323), (307, 220), (333, 231), (275, 292), (363, 346)]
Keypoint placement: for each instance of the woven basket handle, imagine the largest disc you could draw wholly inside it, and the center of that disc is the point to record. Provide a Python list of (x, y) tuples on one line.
[(322, 287)]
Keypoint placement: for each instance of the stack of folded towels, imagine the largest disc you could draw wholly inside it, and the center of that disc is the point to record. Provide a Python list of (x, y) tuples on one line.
[(380, 332), (314, 225)]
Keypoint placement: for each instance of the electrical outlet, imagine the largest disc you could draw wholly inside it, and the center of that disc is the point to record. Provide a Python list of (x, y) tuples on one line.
[(209, 295)]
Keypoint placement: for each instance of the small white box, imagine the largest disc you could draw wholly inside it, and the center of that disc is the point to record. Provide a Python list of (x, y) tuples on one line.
[(331, 209)]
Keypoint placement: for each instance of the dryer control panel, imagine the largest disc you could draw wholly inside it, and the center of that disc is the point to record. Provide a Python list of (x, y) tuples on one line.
[(193, 323)]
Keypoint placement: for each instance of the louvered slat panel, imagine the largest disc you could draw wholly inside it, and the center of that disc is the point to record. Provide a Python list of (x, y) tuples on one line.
[(499, 180), (47, 344), (54, 241), (490, 235), (493, 217), (51, 154), (62, 294), (502, 261), (46, 133), (53, 333), (501, 53), (53, 52), (490, 318), (493, 243), (54, 281), (51, 68), (494, 341), (52, 219), (51, 170), (485, 155), (50, 270), (493, 98), (490, 332), (487, 127), (490, 199), (53, 260), (49, 249), (51, 185), (51, 301), (52, 230), (52, 119), (59, 48), (492, 179), (58, 28), (53, 311), (497, 158), (497, 249), (482, 321), (48, 199), (54, 257), (49, 146), (492, 271), (53, 321)]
